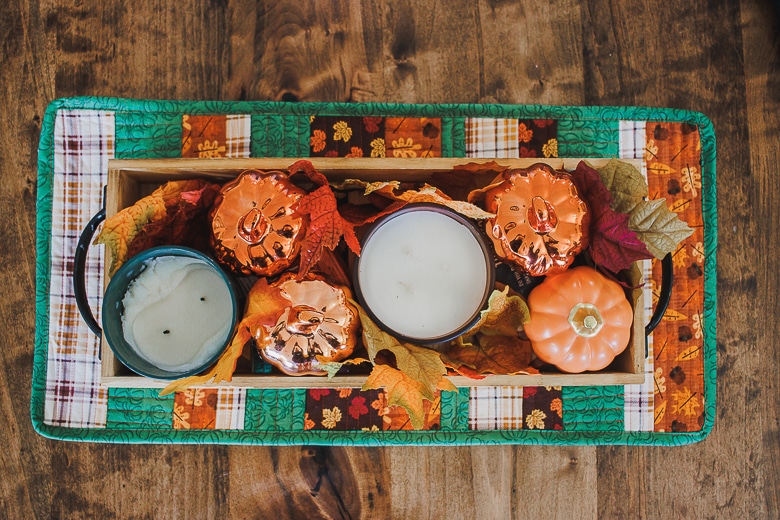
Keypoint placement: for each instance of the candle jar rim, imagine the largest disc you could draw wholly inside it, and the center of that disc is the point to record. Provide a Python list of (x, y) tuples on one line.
[(490, 267), (112, 310)]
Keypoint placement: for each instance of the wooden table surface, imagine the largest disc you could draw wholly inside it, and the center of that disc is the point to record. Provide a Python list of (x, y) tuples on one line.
[(721, 58)]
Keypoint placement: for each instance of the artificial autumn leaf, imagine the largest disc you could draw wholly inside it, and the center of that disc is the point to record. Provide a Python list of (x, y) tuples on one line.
[(263, 307), (660, 229), (504, 316), (401, 391), (426, 194), (333, 367), (685, 402), (494, 355), (624, 182), (613, 245), (171, 206), (326, 226)]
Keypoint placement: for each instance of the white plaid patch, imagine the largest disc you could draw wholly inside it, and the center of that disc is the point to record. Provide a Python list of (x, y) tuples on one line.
[(230, 408), (83, 144), (238, 135), (491, 138), (496, 408)]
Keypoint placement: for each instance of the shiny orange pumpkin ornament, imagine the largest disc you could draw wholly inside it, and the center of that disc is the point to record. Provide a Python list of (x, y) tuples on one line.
[(541, 224), (303, 320), (580, 320), (254, 228)]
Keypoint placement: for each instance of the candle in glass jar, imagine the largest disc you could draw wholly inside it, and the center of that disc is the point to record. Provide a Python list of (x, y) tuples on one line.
[(424, 273), (177, 313)]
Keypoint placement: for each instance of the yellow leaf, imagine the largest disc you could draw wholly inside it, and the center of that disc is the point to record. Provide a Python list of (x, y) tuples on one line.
[(332, 367), (685, 402), (120, 229), (342, 131), (401, 390), (660, 229), (660, 411), (680, 205), (660, 168), (505, 315), (689, 353), (673, 315), (624, 182), (680, 258)]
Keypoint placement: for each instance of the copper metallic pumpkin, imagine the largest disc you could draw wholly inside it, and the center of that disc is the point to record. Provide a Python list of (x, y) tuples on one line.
[(317, 320), (541, 223), (580, 320), (254, 228)]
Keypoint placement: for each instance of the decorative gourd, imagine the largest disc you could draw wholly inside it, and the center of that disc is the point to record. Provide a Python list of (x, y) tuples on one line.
[(580, 320), (254, 228), (304, 322), (540, 224)]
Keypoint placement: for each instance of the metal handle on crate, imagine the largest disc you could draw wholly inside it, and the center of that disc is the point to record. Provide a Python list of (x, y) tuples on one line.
[(79, 271), (667, 280)]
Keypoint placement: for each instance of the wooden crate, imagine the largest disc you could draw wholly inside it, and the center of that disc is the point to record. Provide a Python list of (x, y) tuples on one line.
[(129, 180)]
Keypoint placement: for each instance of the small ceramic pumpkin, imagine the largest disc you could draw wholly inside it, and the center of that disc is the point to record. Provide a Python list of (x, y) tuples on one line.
[(314, 318), (541, 223), (254, 228), (580, 320)]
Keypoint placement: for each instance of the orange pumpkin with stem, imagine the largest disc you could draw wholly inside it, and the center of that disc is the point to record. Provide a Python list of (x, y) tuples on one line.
[(580, 320)]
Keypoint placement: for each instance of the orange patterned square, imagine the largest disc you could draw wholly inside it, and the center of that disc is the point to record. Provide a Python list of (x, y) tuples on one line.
[(204, 136), (412, 137), (195, 408)]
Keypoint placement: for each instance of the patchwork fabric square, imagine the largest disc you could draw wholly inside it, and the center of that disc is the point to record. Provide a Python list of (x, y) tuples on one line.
[(496, 408), (413, 137), (543, 407), (216, 136), (537, 138), (332, 136), (343, 409), (195, 408), (492, 138), (396, 418)]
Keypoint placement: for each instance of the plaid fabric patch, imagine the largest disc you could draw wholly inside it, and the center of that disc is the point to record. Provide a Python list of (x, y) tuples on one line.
[(638, 399), (231, 408), (492, 138), (496, 408), (83, 144), (216, 136)]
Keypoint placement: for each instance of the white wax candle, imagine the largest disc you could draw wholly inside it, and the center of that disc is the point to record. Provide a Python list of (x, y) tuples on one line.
[(423, 274), (178, 312)]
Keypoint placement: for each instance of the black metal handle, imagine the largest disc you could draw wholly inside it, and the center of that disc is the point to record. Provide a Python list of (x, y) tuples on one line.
[(667, 280), (79, 271)]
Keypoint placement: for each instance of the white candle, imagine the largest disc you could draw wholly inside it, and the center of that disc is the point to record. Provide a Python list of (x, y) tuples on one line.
[(177, 313), (423, 274)]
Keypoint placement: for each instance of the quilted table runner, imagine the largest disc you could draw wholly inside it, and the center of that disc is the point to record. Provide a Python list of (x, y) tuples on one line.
[(675, 404)]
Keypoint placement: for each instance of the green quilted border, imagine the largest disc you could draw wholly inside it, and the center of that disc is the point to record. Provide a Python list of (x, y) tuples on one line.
[(600, 117)]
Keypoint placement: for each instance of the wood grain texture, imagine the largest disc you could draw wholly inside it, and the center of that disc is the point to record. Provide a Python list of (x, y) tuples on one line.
[(720, 58)]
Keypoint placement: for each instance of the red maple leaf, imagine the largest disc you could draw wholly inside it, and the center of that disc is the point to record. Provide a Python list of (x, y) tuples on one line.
[(613, 245), (326, 225)]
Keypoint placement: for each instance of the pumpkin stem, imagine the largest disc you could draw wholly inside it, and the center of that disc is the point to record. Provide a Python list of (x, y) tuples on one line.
[(585, 319)]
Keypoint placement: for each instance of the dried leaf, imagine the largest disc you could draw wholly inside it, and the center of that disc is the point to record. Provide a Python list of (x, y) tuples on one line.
[(494, 355), (624, 182), (164, 217), (504, 316), (401, 390), (427, 193), (333, 367), (613, 245), (326, 226), (660, 229)]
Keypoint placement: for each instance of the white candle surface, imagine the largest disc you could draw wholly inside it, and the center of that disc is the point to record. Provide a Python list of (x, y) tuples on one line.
[(423, 274), (178, 312)]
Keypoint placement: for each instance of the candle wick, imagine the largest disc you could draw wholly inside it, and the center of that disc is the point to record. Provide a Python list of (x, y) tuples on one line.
[(166, 331), (203, 298)]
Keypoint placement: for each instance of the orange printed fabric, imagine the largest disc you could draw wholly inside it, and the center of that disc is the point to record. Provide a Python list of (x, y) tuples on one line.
[(209, 137), (195, 408), (673, 160)]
